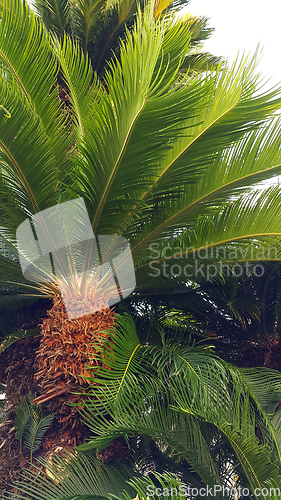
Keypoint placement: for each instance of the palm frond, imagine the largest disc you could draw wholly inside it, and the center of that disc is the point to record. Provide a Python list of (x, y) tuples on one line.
[(35, 430), (31, 425), (71, 475), (161, 5), (192, 386), (16, 336), (83, 497), (55, 14), (135, 107), (89, 21), (21, 420), (34, 74), (117, 13), (77, 75), (182, 214), (167, 482), (28, 189), (264, 383), (204, 61)]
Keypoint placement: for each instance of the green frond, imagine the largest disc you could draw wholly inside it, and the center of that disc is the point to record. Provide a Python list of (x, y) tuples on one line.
[(83, 497), (55, 14), (77, 75), (34, 74), (168, 482), (138, 120), (31, 424), (202, 62), (264, 383), (116, 14), (35, 430), (71, 475), (90, 18), (199, 30), (176, 201), (28, 166), (196, 60), (176, 44), (17, 336), (21, 420), (124, 361), (192, 386), (219, 243)]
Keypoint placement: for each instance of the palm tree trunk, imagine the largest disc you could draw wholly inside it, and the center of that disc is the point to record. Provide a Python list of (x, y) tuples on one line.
[(51, 367)]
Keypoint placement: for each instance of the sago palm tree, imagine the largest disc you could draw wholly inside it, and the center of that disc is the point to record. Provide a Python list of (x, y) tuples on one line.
[(160, 157)]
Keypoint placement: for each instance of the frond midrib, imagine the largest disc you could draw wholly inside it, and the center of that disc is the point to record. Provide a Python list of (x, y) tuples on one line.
[(210, 194), (117, 163)]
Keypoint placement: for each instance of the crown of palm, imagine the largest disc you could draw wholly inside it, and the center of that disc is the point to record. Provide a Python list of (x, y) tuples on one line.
[(159, 157)]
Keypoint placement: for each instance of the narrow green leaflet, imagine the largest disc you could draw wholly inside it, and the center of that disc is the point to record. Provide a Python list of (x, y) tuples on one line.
[(17, 336)]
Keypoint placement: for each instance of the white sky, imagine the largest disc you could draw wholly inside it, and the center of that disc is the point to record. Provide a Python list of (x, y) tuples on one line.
[(242, 25)]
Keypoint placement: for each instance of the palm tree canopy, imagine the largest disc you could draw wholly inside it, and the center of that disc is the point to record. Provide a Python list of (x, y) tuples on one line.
[(183, 149)]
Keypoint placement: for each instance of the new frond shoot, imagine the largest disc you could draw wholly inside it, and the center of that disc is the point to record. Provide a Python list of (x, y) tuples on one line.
[(31, 424)]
